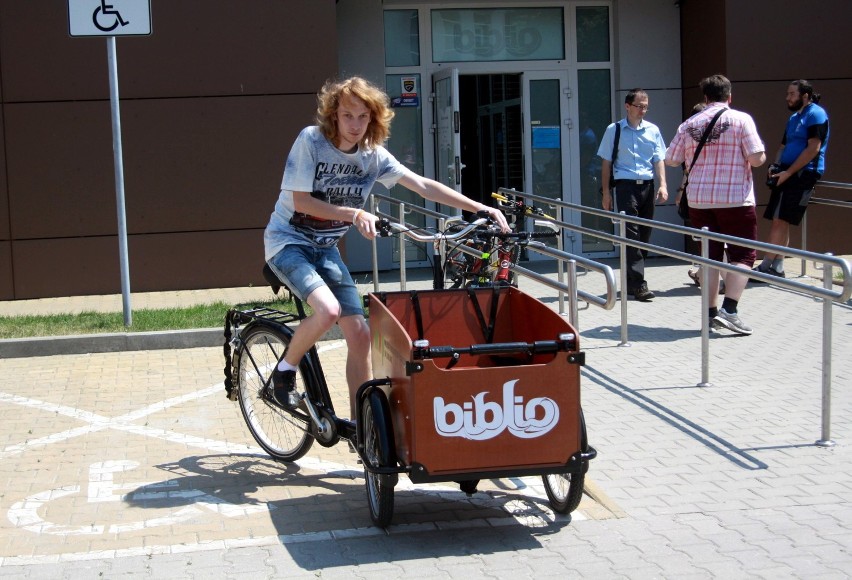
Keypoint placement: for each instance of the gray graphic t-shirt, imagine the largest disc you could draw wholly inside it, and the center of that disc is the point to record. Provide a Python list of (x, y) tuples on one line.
[(335, 177)]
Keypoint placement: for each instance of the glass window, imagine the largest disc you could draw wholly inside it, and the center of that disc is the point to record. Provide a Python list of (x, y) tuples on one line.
[(595, 113), (593, 34), (402, 38), (485, 34), (546, 130)]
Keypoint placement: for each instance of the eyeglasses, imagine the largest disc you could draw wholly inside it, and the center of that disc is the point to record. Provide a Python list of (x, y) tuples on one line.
[(640, 107)]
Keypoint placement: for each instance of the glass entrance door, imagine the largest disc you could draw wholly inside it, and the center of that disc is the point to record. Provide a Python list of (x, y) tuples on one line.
[(447, 130), (546, 139)]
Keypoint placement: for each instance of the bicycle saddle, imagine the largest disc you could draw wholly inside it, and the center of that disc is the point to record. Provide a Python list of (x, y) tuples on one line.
[(272, 279)]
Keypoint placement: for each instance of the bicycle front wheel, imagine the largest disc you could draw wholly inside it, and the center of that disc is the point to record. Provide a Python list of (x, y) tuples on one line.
[(282, 434), (564, 491), (377, 449)]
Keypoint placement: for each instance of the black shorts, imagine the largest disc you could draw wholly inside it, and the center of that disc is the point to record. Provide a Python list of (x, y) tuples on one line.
[(790, 201)]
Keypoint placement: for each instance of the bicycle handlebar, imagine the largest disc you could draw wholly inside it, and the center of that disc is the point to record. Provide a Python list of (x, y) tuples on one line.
[(386, 228), (482, 226), (518, 207)]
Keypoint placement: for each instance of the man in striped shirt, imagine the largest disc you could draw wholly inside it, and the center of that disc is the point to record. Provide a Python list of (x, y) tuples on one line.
[(721, 190)]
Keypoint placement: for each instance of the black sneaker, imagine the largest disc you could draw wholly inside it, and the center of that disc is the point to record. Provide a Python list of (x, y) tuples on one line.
[(284, 388), (771, 271), (642, 293)]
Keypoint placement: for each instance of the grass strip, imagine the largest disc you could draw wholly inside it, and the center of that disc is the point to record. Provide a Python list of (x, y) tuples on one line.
[(145, 320)]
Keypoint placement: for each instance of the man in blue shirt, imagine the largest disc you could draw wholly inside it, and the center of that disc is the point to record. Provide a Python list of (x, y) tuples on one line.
[(799, 164), (638, 157)]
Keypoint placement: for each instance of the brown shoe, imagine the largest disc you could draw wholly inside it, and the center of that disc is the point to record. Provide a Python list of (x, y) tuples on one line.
[(642, 294)]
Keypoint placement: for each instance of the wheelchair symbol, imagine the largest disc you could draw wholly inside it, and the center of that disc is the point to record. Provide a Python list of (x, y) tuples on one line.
[(102, 487), (106, 18)]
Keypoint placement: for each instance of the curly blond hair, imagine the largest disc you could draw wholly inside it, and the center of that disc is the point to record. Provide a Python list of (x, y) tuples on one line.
[(328, 101)]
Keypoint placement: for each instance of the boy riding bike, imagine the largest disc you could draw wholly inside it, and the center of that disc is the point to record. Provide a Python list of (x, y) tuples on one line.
[(329, 174)]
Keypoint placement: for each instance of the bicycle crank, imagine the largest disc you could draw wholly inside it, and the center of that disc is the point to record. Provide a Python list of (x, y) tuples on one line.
[(322, 424)]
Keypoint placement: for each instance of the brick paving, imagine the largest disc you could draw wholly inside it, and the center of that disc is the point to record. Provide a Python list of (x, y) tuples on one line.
[(135, 465)]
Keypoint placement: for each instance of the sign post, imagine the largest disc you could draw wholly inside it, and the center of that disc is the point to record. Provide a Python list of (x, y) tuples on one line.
[(88, 18)]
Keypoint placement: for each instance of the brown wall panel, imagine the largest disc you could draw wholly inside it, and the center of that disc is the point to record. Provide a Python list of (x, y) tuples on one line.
[(196, 260), (767, 39), (5, 233), (66, 267), (198, 47), (83, 266), (210, 105), (60, 169), (39, 59), (698, 60), (199, 164), (7, 291), (761, 50), (189, 164)]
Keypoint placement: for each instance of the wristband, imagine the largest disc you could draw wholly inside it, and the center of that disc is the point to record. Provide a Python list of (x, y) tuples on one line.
[(357, 213)]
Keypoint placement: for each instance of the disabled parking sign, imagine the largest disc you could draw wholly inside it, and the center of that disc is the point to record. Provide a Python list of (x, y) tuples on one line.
[(109, 17)]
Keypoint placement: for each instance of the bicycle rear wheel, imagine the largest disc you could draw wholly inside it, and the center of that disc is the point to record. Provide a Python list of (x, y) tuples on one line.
[(282, 434)]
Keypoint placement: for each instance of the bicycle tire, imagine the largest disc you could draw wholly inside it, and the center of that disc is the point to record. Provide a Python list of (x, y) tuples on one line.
[(565, 490), (378, 451), (283, 435)]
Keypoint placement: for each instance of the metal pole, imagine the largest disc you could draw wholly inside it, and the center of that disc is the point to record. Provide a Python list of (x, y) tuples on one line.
[(804, 243), (622, 232), (572, 294), (705, 309), (373, 205), (119, 180), (560, 272), (825, 440), (402, 259)]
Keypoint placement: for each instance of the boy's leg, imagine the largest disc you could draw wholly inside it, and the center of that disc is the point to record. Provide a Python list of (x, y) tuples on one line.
[(359, 367), (311, 329)]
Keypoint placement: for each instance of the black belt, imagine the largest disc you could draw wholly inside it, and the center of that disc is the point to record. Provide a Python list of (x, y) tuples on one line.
[(636, 181)]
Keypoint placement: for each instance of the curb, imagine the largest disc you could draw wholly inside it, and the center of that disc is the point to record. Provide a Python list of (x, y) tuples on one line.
[(120, 342)]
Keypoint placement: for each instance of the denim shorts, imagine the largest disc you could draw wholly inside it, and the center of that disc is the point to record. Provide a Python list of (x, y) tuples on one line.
[(303, 269)]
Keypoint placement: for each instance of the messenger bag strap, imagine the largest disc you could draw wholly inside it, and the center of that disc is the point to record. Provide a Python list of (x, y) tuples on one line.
[(614, 154), (704, 139)]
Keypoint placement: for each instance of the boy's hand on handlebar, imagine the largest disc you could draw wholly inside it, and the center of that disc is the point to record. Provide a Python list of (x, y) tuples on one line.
[(365, 222), (497, 216)]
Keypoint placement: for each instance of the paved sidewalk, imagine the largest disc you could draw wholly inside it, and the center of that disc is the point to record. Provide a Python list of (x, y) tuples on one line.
[(133, 464)]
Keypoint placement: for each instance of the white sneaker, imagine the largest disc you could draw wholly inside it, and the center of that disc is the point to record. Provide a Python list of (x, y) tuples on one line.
[(732, 322)]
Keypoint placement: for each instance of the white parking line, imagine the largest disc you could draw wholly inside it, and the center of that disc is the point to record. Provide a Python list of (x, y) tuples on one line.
[(526, 510)]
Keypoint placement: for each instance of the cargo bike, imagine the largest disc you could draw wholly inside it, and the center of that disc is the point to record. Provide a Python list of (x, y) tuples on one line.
[(471, 384)]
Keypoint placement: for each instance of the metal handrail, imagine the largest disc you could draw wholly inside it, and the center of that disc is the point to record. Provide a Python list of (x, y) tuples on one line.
[(822, 201), (837, 296)]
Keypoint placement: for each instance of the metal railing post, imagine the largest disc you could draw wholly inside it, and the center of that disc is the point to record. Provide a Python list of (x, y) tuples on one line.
[(374, 204), (572, 294), (402, 257), (705, 309), (622, 233), (560, 269), (825, 439), (804, 243)]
